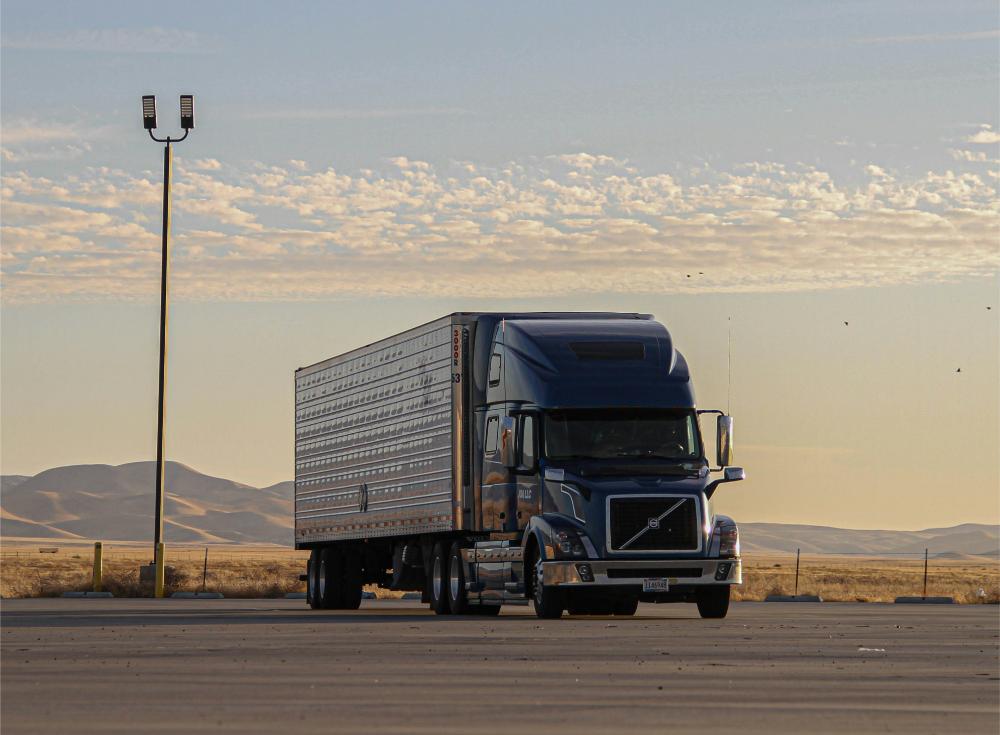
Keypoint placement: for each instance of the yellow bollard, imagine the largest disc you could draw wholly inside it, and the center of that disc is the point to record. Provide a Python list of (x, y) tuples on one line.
[(98, 565), (159, 570)]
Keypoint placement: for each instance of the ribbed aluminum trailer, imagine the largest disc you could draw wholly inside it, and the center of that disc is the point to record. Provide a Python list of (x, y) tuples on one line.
[(376, 439)]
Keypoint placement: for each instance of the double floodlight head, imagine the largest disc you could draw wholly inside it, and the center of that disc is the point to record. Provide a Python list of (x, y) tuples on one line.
[(149, 112)]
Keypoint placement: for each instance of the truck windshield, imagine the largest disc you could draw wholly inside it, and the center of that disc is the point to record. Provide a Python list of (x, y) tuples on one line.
[(617, 433)]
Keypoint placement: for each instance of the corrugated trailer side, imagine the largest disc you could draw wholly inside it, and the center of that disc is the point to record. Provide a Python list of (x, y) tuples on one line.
[(375, 438)]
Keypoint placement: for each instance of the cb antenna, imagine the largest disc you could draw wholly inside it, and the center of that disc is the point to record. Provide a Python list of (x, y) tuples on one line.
[(729, 397)]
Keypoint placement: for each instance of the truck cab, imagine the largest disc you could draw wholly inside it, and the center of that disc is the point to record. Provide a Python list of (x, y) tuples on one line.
[(593, 480)]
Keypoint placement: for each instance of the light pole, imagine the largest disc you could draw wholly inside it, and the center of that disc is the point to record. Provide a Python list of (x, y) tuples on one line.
[(187, 124)]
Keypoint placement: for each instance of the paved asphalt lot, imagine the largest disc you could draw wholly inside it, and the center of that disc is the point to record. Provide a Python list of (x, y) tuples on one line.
[(272, 666)]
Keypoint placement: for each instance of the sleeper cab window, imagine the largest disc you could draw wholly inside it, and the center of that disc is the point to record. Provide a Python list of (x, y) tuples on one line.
[(492, 426), (495, 369)]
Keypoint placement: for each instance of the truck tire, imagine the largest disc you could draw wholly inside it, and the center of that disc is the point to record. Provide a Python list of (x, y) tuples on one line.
[(351, 586), (438, 579), (713, 602), (548, 601), (331, 579), (626, 606), (458, 597), (312, 580)]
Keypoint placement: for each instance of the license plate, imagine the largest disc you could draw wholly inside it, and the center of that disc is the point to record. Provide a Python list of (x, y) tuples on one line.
[(656, 585)]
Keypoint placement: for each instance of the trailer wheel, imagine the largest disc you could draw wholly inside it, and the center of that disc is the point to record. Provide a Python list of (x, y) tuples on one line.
[(312, 580), (626, 606), (438, 581), (458, 597), (713, 602), (548, 600), (331, 578), (350, 591)]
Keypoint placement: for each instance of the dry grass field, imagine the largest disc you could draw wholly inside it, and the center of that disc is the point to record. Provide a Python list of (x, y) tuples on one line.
[(248, 571)]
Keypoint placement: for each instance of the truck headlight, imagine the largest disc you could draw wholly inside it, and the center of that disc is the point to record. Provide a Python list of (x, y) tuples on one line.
[(729, 540), (568, 543)]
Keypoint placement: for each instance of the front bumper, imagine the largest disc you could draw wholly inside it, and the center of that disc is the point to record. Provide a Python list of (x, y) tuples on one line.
[(611, 573)]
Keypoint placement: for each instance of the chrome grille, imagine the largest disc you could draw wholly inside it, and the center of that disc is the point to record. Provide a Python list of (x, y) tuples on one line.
[(661, 523)]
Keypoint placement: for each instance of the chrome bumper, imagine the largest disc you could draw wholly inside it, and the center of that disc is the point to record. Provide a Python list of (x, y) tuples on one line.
[(567, 573)]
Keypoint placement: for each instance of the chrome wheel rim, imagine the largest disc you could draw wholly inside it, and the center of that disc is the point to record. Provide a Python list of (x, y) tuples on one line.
[(322, 580), (453, 577), (436, 578)]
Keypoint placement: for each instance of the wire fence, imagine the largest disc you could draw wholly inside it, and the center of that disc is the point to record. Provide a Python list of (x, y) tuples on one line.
[(261, 571)]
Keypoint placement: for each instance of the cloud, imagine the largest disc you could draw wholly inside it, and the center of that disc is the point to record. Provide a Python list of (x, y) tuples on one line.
[(27, 139), (968, 156), (355, 113), (154, 40), (986, 134), (556, 225), (934, 37)]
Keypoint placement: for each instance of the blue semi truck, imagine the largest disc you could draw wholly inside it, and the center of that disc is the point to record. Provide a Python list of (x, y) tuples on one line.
[(483, 459)]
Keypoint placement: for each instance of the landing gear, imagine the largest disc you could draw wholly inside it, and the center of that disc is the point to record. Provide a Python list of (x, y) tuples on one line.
[(713, 602)]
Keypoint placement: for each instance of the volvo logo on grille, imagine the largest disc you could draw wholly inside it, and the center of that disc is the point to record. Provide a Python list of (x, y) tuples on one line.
[(363, 497), (654, 523)]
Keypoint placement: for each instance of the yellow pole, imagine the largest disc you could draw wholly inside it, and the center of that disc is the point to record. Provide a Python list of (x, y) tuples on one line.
[(159, 570), (98, 565)]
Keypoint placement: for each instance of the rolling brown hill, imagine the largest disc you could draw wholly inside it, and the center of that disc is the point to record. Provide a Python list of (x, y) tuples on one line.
[(116, 502)]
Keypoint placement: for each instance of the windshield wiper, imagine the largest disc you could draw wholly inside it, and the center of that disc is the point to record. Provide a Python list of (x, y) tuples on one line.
[(630, 455)]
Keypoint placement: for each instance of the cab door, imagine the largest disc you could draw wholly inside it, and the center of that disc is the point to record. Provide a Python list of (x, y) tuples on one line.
[(497, 487), (526, 471)]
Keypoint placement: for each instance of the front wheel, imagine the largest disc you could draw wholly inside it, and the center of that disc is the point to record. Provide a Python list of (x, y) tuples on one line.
[(548, 600), (713, 602)]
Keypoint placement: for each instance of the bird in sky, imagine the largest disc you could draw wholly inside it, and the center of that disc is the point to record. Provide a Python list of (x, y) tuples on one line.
[(959, 370), (846, 324)]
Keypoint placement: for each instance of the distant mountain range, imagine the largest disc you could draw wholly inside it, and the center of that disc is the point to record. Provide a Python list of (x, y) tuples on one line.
[(116, 503), (99, 501)]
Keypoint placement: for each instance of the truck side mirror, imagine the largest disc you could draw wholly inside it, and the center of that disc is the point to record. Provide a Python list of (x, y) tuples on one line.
[(507, 457), (724, 441)]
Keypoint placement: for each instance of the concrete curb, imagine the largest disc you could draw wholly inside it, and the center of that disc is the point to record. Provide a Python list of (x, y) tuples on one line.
[(925, 600), (87, 594), (198, 595), (793, 598)]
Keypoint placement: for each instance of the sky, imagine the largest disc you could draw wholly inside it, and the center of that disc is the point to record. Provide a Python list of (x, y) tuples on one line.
[(767, 171)]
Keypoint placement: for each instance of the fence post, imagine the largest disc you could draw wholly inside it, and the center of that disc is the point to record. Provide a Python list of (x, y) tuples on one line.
[(925, 572), (98, 565), (159, 571), (204, 572), (797, 553)]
